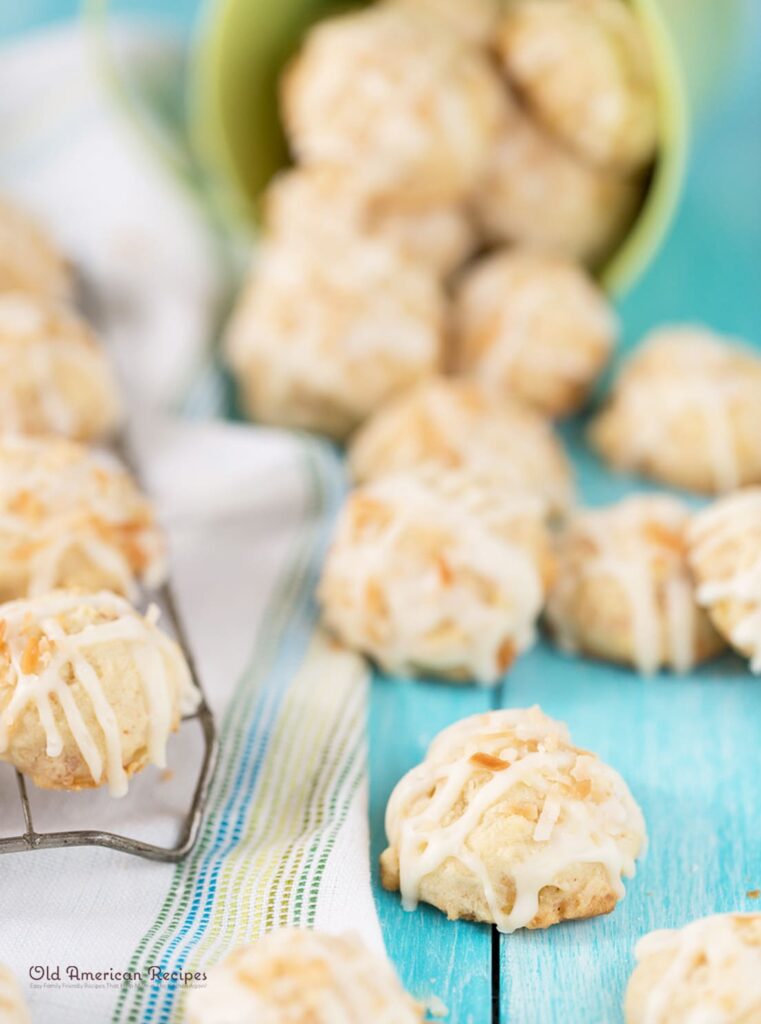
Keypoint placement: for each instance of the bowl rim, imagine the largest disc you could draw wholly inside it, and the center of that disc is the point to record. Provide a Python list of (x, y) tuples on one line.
[(618, 275), (649, 230)]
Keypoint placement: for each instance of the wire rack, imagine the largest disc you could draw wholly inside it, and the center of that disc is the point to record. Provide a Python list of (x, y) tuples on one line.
[(32, 839), (190, 825)]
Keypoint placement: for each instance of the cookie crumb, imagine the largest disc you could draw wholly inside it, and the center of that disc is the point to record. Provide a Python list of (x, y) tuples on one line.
[(436, 1007)]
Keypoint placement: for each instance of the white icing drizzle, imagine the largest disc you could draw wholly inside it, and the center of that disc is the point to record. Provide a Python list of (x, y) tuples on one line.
[(573, 827), (465, 425), (428, 596), (57, 498), (38, 344), (714, 974), (321, 339), (62, 658), (680, 622), (403, 104), (540, 313), (20, 315), (678, 373), (658, 405), (322, 205), (295, 974), (621, 550), (536, 192), (734, 523)]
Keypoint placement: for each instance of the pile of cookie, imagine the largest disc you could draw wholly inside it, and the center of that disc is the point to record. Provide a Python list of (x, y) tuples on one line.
[(458, 171), (90, 688), (425, 294)]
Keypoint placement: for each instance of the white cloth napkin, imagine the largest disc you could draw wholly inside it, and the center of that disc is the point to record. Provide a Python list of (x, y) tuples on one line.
[(248, 512), (77, 159)]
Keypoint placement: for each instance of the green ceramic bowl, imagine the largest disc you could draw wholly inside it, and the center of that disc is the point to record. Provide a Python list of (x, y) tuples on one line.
[(244, 44)]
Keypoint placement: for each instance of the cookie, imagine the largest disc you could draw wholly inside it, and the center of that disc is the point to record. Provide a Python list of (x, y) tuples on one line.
[(506, 822), (437, 572), (623, 590)]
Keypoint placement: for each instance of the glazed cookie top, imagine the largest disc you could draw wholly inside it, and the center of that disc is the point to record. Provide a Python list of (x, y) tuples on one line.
[(710, 970), (322, 335), (584, 67), (442, 562), (363, 294), (526, 318), (303, 977), (537, 192), (394, 95), (28, 260), (725, 554), (26, 317), (458, 423), (42, 337), (44, 647), (324, 204), (640, 543), (56, 495), (512, 762), (475, 21), (678, 373)]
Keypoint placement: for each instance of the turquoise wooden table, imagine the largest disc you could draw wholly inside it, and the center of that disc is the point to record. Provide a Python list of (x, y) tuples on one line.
[(689, 748)]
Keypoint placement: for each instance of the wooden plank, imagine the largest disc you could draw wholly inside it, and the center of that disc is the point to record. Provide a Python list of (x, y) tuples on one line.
[(434, 957), (689, 749)]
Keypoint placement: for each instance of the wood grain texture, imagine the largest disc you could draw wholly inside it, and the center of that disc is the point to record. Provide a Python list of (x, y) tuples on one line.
[(689, 750), (434, 957)]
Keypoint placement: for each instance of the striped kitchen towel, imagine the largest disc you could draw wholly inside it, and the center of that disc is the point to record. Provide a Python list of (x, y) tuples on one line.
[(93, 935)]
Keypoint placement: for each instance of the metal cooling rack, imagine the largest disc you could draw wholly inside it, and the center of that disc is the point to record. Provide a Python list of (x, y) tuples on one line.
[(32, 839)]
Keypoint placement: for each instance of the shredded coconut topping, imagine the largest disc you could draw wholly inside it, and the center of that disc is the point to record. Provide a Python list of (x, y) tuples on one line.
[(295, 974), (592, 820), (678, 377), (730, 532), (457, 423), (714, 970), (429, 571), (58, 499), (45, 646), (639, 544), (41, 347)]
